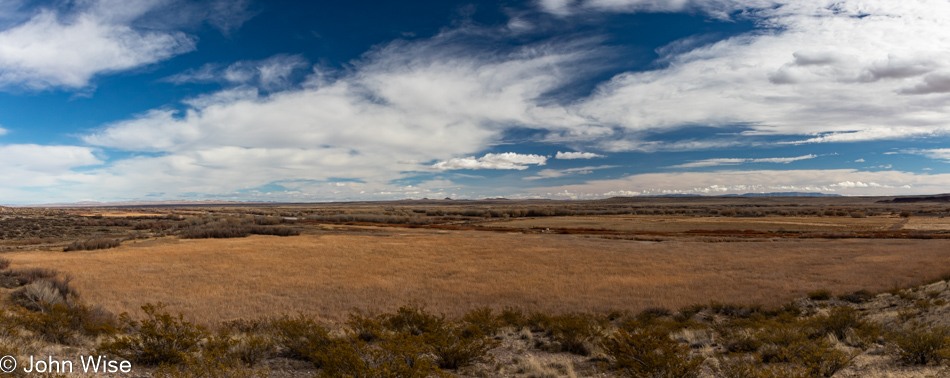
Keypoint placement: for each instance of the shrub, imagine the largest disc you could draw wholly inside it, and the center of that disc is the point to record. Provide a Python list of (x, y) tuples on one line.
[(859, 296), (302, 338), (274, 231), (917, 345), (160, 338), (40, 294), (652, 313), (650, 353), (63, 324), (485, 319), (402, 355), (905, 214), (4, 263), (819, 295), (576, 333), (366, 327), (92, 244), (458, 345), (413, 319)]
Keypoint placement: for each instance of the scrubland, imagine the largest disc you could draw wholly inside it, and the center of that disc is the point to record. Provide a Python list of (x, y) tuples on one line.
[(767, 287)]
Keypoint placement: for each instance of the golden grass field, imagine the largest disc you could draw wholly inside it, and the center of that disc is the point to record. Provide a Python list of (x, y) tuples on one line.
[(662, 223), (328, 273)]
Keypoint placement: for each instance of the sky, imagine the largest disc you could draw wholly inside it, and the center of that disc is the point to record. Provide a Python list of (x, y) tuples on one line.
[(289, 101)]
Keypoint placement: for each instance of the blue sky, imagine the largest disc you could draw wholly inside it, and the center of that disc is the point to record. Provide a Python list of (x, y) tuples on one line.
[(122, 100)]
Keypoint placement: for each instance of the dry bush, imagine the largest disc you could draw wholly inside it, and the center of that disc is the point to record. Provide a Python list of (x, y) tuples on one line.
[(39, 294), (819, 295), (301, 337), (650, 353), (4, 263), (65, 324), (575, 333), (920, 345), (92, 244), (402, 355), (485, 319), (159, 338)]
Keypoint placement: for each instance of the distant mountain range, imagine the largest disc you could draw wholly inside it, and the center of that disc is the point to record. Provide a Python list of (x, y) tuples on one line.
[(776, 194)]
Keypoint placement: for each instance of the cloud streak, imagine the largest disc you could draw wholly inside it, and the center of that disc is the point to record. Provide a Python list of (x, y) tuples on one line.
[(506, 160), (737, 161)]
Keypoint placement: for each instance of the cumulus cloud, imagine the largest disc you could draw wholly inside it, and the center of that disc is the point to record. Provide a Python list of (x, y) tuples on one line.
[(506, 160), (27, 167), (555, 173), (52, 49), (273, 73), (859, 161), (737, 161), (776, 82), (576, 155), (933, 83)]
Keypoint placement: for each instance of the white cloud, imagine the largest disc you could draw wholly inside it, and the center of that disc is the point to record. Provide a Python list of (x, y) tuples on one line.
[(3, 131), (576, 155), (27, 167), (273, 73), (555, 173), (836, 181), (859, 161), (737, 161), (936, 153), (834, 69), (51, 49), (506, 160)]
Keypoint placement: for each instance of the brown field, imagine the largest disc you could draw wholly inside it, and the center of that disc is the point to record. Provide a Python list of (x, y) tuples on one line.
[(332, 271), (664, 223)]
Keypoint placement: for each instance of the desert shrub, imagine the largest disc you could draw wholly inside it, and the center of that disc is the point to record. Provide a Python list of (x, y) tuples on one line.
[(40, 294), (459, 345), (858, 214), (650, 353), (64, 324), (92, 244), (918, 345), (159, 338), (367, 327), (267, 221), (4, 263), (576, 333), (789, 343), (751, 367), (485, 319), (819, 295), (859, 296), (30, 275), (274, 231), (905, 214), (402, 355), (215, 231), (214, 358), (839, 322), (413, 319), (513, 317), (303, 338), (652, 313)]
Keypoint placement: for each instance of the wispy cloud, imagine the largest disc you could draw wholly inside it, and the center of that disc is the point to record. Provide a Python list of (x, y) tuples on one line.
[(506, 160), (576, 155), (270, 74), (737, 161), (556, 173), (936, 153)]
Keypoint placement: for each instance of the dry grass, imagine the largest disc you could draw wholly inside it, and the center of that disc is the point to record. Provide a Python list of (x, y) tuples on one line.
[(660, 223), (213, 280)]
